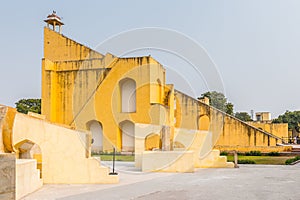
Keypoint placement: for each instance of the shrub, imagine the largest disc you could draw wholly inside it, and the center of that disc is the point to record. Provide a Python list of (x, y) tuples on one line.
[(246, 162), (253, 153), (291, 160), (224, 153), (273, 153)]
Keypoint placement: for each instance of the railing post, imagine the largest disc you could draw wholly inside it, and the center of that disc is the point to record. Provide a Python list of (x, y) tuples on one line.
[(114, 156)]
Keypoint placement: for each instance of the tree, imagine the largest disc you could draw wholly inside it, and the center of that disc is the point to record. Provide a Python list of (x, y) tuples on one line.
[(244, 116), (229, 108), (29, 105), (292, 118), (219, 101)]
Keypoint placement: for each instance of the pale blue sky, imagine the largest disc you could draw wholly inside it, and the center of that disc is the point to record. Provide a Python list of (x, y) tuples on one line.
[(254, 43)]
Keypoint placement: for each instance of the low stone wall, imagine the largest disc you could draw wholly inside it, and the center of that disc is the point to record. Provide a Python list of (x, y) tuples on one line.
[(263, 149), (7, 176), (168, 161), (27, 176)]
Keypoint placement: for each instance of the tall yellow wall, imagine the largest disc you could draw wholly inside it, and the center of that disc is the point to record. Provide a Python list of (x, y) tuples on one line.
[(66, 62), (108, 106), (226, 130), (80, 85), (280, 130), (186, 113)]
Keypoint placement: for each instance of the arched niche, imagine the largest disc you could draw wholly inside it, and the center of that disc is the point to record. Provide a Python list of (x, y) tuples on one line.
[(152, 141), (128, 95), (128, 136), (203, 123), (97, 135)]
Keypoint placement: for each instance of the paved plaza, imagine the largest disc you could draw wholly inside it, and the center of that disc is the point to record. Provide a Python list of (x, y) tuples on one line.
[(247, 182)]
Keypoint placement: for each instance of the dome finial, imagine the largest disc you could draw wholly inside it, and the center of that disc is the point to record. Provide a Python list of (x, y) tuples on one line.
[(54, 20)]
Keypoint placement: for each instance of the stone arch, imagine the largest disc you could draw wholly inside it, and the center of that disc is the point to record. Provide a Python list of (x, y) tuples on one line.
[(128, 95), (152, 141), (27, 149), (203, 123), (127, 136), (97, 135)]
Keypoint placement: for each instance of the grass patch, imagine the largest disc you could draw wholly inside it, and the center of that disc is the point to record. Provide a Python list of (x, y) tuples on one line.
[(263, 160), (125, 158), (246, 162)]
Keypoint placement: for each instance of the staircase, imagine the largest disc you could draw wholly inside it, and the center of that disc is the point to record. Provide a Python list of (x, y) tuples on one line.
[(296, 150), (214, 160)]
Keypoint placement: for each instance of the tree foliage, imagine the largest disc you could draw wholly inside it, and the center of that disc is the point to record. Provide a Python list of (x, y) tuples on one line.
[(229, 108), (244, 116), (29, 105), (290, 117), (219, 101)]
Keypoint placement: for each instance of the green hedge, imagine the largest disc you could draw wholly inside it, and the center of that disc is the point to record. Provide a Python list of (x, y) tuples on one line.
[(224, 153), (253, 153), (246, 162), (290, 161), (273, 153)]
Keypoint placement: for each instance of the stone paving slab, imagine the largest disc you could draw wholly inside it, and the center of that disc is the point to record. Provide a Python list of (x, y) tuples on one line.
[(247, 182)]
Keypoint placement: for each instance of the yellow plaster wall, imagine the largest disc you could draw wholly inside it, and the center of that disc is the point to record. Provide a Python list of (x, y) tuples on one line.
[(279, 130), (226, 130), (80, 85), (8, 116), (152, 141), (237, 133), (186, 113), (107, 99), (57, 47)]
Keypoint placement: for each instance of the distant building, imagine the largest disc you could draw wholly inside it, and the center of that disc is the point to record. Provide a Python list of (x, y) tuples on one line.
[(263, 116)]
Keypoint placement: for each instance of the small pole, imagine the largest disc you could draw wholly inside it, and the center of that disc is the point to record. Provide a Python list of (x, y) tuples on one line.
[(235, 159), (114, 157)]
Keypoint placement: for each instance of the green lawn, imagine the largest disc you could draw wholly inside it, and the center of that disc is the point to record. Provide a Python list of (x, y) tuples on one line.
[(127, 158), (266, 160)]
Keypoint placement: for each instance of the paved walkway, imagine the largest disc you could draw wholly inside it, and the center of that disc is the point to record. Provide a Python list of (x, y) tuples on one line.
[(247, 182)]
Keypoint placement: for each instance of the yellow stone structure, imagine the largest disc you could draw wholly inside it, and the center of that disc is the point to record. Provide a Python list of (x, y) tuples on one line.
[(126, 104)]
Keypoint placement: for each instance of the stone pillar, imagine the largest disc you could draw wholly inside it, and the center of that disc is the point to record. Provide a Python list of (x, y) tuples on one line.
[(165, 138), (7, 176)]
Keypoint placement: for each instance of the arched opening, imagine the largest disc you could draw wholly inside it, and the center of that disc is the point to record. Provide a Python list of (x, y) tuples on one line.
[(128, 95), (30, 150), (152, 141), (203, 123), (127, 135), (97, 135)]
